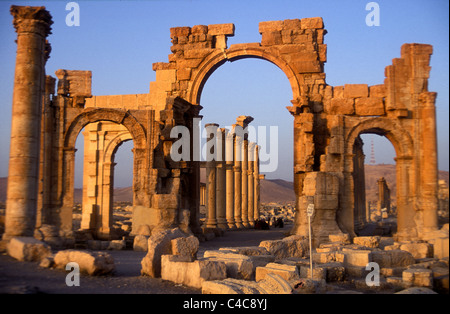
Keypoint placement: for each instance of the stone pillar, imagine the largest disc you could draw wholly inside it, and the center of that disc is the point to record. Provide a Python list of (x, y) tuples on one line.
[(428, 164), (251, 185), (359, 193), (45, 169), (221, 180), (229, 162), (211, 221), (244, 189), (256, 178), (32, 25), (384, 196), (237, 181), (202, 195), (406, 226)]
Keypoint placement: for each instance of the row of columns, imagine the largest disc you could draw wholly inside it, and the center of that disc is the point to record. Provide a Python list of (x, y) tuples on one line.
[(232, 178)]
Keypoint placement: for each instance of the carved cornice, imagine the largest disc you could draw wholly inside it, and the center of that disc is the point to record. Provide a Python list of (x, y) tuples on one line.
[(31, 20)]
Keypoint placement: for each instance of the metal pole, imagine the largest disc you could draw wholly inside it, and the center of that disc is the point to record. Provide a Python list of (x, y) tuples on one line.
[(310, 247)]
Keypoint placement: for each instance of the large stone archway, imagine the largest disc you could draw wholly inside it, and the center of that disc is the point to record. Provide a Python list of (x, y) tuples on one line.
[(327, 120)]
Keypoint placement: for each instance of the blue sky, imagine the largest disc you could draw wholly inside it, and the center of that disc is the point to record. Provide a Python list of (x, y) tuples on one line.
[(120, 40)]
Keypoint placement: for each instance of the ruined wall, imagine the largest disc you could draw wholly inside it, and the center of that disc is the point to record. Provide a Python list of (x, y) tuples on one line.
[(327, 122)]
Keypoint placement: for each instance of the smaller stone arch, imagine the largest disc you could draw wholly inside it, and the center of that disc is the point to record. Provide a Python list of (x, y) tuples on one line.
[(405, 171), (92, 115), (114, 144), (394, 132), (136, 133)]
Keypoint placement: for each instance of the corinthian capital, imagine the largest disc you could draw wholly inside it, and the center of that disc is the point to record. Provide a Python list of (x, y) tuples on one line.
[(31, 20)]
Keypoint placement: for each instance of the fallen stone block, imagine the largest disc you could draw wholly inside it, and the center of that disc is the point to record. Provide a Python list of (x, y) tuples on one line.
[(159, 244), (319, 272), (395, 246), (230, 286), (331, 247), (238, 266), (274, 284), (28, 249), (247, 250), (180, 270), (418, 250), (359, 258), (441, 247), (140, 243), (185, 246), (343, 238), (335, 271), (370, 242), (293, 246), (92, 263), (324, 257), (392, 258), (117, 245), (392, 271), (287, 272), (418, 277)]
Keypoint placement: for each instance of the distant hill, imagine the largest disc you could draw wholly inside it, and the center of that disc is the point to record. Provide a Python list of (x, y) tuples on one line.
[(275, 190)]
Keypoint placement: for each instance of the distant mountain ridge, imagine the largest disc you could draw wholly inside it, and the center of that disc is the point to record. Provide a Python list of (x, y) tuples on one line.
[(276, 190)]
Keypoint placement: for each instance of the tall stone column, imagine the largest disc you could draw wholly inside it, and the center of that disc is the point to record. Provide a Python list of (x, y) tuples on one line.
[(221, 180), (251, 185), (32, 25), (229, 162), (244, 189), (428, 164), (237, 181), (211, 221), (256, 178)]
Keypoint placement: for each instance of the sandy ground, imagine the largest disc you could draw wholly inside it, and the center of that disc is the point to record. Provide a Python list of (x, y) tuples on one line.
[(27, 277)]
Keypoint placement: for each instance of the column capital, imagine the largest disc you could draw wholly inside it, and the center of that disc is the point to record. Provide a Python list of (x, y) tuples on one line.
[(29, 19), (244, 121)]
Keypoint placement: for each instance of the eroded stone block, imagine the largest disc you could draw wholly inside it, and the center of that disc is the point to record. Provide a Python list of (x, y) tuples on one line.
[(28, 249), (92, 263)]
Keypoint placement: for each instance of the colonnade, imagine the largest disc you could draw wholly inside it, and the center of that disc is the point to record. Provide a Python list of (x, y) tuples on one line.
[(232, 177)]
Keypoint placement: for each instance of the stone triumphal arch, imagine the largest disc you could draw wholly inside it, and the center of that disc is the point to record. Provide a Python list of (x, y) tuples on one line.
[(327, 123)]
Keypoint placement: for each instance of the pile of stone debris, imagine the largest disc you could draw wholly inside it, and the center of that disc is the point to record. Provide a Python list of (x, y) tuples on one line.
[(283, 266), (371, 264)]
